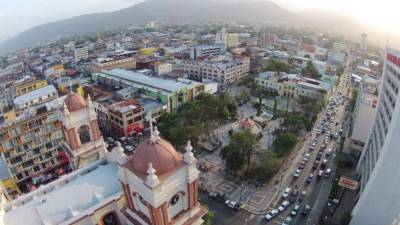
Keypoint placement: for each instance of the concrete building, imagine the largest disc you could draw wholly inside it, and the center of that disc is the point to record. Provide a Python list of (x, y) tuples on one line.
[(223, 70), (364, 42), (336, 57), (206, 51), (31, 145), (28, 84), (161, 68), (172, 93), (7, 93), (35, 97), (363, 114), (124, 60), (156, 185), (291, 85), (378, 202), (126, 117), (81, 53), (230, 40)]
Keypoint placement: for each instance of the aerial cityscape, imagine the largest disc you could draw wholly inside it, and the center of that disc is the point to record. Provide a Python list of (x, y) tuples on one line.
[(206, 112)]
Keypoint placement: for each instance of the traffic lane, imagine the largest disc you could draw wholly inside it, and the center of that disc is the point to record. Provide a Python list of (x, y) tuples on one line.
[(223, 214)]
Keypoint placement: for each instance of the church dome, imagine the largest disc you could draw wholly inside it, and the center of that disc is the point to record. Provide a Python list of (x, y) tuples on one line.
[(157, 151), (74, 102)]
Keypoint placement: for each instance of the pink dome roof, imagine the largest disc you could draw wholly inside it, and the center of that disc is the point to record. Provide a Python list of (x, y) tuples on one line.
[(159, 152), (74, 102), (247, 123)]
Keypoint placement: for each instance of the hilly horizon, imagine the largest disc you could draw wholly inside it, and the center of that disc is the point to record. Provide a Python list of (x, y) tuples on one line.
[(177, 11)]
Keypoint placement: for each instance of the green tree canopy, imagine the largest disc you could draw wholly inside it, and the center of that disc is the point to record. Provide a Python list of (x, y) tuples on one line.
[(284, 143), (277, 66), (310, 71)]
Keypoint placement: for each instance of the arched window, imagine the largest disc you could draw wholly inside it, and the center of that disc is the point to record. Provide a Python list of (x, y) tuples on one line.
[(110, 219), (84, 134)]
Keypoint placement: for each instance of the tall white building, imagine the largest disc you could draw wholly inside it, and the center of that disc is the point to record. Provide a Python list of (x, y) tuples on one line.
[(379, 163), (364, 42), (81, 53)]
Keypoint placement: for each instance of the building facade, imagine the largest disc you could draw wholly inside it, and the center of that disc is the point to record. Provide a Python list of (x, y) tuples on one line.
[(123, 60), (364, 42), (378, 164), (223, 71), (81, 53), (126, 117), (291, 85), (206, 51), (157, 185)]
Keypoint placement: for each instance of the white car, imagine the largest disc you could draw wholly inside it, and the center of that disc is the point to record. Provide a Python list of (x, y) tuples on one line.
[(295, 210), (283, 206), (129, 148), (286, 192), (296, 173), (271, 214), (287, 221)]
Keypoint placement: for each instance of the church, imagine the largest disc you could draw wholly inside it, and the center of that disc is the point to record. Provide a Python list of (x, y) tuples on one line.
[(156, 185)]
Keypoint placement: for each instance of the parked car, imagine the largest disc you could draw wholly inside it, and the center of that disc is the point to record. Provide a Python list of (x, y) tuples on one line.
[(286, 192), (287, 221), (310, 178), (284, 205), (295, 210), (306, 210), (129, 148), (302, 195), (217, 197), (271, 214), (296, 173), (320, 173), (232, 204)]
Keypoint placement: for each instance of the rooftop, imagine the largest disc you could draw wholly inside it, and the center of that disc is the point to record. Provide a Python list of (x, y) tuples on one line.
[(30, 96), (154, 82), (61, 202)]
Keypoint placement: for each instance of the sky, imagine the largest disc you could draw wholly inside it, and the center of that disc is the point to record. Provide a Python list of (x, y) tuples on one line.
[(19, 15)]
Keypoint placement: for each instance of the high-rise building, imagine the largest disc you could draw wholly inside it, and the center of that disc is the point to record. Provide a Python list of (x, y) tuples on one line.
[(206, 50), (379, 163), (81, 53), (230, 40), (364, 42)]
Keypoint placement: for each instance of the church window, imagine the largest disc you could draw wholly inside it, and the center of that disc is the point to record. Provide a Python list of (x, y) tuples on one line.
[(84, 134)]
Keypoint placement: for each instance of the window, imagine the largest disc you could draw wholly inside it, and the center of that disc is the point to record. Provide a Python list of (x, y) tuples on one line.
[(174, 199), (84, 134)]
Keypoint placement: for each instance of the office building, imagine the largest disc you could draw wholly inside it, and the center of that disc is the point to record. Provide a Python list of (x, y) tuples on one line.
[(379, 162), (124, 60), (364, 42), (222, 70), (126, 117), (156, 186), (230, 40), (206, 51), (291, 85), (172, 93), (81, 53)]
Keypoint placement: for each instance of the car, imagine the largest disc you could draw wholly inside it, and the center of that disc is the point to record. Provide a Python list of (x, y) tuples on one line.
[(336, 135), (302, 195), (295, 210), (296, 173), (323, 146), (309, 178), (232, 204), (284, 205), (328, 173), (217, 197), (287, 221), (306, 158), (286, 192), (320, 173), (271, 214), (129, 148), (326, 141), (306, 210), (329, 152)]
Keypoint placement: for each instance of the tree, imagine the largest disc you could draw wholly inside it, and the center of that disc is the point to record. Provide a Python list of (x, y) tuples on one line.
[(277, 66), (247, 143), (234, 160), (296, 123), (310, 71), (284, 143), (208, 218)]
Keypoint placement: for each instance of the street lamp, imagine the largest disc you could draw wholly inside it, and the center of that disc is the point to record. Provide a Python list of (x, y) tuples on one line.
[(241, 192)]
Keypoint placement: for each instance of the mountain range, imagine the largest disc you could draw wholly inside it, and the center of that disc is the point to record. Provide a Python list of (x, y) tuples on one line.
[(176, 11)]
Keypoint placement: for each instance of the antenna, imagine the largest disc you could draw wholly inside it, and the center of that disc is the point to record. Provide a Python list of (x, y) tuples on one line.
[(150, 120)]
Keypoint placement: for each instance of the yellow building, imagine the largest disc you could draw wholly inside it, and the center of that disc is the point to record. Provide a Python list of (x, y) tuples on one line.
[(147, 51), (29, 85), (9, 116)]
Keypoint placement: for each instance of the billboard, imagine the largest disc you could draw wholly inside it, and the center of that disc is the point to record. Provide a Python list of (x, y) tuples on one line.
[(348, 183)]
